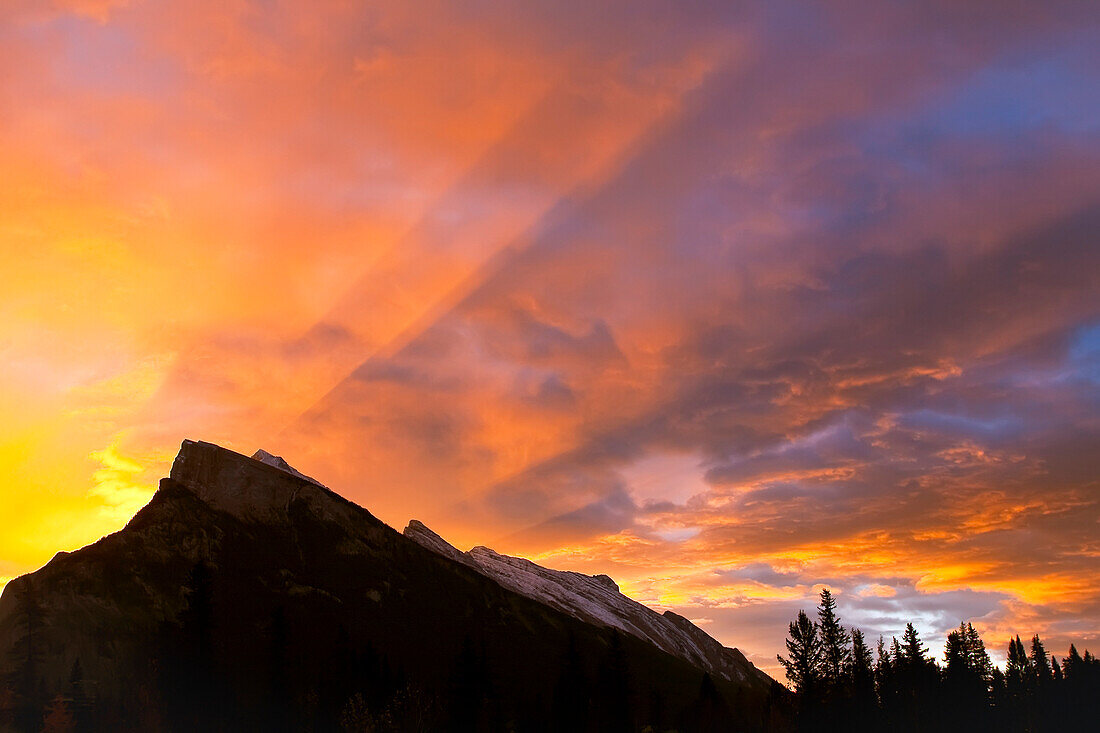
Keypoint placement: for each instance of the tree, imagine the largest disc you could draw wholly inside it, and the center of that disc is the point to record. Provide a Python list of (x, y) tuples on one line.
[(860, 661), (861, 674), (1018, 680), (954, 653), (884, 674), (913, 651), (882, 661), (1040, 663), (1072, 664), (896, 655), (976, 653), (835, 654), (1018, 666), (804, 655), (966, 678)]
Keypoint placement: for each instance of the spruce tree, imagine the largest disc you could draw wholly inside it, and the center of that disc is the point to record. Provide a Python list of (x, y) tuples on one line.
[(955, 657), (882, 660), (978, 656), (1040, 664), (912, 649), (803, 663), (861, 663), (834, 640), (861, 677), (966, 678), (883, 669), (1072, 664), (1018, 666)]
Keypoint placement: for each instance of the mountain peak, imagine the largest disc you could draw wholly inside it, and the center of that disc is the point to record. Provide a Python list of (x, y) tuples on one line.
[(257, 489), (237, 556)]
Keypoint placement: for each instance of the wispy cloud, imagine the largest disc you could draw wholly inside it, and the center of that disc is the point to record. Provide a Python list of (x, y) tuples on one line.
[(730, 303)]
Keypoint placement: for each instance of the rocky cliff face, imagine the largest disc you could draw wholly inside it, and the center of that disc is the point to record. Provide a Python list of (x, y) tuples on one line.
[(247, 596), (596, 599)]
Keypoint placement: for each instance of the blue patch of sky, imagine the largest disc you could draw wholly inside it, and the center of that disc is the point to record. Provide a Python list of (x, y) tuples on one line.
[(1055, 88), (1084, 353), (956, 424)]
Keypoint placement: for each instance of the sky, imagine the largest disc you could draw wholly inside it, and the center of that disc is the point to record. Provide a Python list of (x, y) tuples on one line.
[(729, 301)]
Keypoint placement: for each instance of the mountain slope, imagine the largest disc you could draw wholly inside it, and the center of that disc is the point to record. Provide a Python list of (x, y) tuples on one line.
[(244, 596), (596, 599)]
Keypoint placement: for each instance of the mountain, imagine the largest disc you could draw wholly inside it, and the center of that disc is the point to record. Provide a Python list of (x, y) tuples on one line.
[(596, 599), (247, 596)]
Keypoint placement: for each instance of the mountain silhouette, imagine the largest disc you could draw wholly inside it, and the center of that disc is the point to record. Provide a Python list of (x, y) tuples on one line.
[(246, 596)]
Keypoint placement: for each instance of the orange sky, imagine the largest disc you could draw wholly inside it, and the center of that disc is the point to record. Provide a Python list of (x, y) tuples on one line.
[(728, 304)]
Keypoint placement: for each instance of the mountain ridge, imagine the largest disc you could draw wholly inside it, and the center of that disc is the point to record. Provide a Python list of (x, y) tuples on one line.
[(246, 596), (598, 600)]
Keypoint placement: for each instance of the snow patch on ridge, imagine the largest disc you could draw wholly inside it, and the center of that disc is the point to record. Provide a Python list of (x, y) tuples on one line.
[(277, 461), (596, 599)]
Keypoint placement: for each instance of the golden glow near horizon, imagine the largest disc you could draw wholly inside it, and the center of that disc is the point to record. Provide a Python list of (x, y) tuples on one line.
[(725, 304)]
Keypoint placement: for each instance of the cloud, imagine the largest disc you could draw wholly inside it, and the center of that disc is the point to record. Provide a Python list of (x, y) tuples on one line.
[(726, 302), (122, 484)]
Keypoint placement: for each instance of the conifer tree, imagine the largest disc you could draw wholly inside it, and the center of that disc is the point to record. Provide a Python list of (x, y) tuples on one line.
[(966, 678), (955, 655), (861, 677), (978, 656), (882, 659), (1072, 663), (861, 663), (1018, 667), (834, 640), (804, 655), (884, 669), (1040, 664), (913, 650)]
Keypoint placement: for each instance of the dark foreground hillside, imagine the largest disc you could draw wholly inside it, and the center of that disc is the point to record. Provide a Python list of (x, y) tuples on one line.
[(247, 598)]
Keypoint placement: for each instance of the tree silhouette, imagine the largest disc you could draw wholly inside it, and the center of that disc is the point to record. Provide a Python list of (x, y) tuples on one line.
[(804, 655), (1018, 666), (1040, 663), (913, 651), (834, 640), (861, 677), (966, 678)]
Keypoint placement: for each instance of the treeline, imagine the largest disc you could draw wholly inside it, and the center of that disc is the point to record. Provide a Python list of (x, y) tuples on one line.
[(842, 685)]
